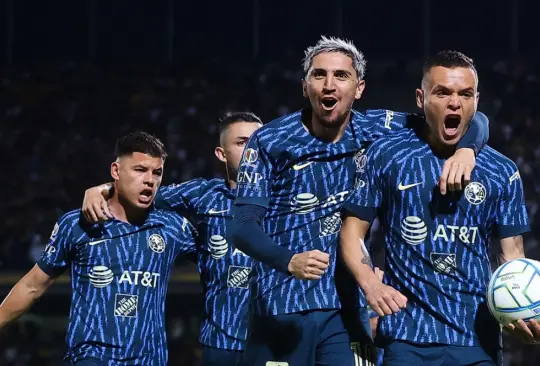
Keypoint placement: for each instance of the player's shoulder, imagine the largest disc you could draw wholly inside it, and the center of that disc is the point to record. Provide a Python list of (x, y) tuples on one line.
[(171, 220), (70, 219), (271, 131), (371, 115), (493, 160), (390, 143)]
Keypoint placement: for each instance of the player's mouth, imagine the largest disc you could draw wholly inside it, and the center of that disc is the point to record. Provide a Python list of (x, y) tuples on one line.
[(329, 103), (451, 125), (146, 195)]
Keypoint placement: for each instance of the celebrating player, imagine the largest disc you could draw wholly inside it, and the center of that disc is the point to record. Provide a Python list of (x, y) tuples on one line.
[(120, 270), (224, 270), (298, 171), (436, 246)]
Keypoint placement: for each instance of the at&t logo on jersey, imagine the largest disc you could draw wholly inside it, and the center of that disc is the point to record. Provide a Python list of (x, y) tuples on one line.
[(475, 193), (450, 233), (304, 203), (101, 276), (140, 278), (413, 230), (218, 246)]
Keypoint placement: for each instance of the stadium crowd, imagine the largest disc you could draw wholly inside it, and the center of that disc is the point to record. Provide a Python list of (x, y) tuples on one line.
[(59, 123)]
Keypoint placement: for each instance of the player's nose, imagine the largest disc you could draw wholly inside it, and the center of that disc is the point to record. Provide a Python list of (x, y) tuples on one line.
[(329, 83), (454, 102)]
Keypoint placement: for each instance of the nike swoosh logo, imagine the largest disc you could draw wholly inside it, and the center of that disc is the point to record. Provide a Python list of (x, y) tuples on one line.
[(401, 187), (302, 166), (97, 241), (214, 212)]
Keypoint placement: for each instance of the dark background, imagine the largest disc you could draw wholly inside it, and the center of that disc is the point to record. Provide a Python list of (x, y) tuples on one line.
[(76, 75)]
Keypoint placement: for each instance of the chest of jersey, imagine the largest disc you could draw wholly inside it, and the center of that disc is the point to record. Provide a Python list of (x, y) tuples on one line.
[(422, 214), (140, 259)]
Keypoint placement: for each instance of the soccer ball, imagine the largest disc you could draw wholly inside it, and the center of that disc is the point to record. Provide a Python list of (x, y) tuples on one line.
[(514, 291)]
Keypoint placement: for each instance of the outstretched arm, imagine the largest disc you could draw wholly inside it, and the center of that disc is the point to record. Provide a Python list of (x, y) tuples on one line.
[(23, 295)]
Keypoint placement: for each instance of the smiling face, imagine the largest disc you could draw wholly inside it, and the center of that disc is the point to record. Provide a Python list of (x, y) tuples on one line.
[(449, 98), (332, 85)]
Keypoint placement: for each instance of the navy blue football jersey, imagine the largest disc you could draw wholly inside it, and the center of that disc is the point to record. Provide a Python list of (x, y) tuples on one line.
[(303, 182), (437, 246), (224, 270), (120, 274)]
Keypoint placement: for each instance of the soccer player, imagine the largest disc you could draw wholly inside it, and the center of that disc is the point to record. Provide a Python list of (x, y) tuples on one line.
[(224, 270), (436, 246), (299, 171), (120, 270)]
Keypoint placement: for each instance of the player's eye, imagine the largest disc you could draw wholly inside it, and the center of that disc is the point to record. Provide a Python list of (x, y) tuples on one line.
[(140, 170), (241, 143), (341, 75), (318, 74), (158, 173), (441, 94)]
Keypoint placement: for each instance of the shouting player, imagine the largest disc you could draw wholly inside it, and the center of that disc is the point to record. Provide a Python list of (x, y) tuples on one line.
[(436, 246), (119, 270), (224, 270), (299, 170)]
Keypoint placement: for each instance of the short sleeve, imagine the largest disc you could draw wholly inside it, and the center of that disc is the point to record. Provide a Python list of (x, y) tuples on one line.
[(512, 217), (254, 174), (56, 256), (182, 198)]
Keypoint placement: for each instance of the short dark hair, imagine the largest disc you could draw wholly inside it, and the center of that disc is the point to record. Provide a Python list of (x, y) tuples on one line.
[(449, 59), (141, 142), (234, 117)]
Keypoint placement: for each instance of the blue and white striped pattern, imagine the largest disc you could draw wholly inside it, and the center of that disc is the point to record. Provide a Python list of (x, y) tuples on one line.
[(306, 182), (120, 274), (224, 270), (437, 246)]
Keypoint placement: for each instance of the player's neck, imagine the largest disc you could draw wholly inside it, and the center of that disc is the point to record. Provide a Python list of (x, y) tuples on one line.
[(231, 177), (122, 210), (329, 134)]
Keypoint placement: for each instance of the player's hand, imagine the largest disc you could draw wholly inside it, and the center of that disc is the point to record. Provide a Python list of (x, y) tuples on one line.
[(456, 170), (385, 300), (95, 208), (527, 332), (309, 265)]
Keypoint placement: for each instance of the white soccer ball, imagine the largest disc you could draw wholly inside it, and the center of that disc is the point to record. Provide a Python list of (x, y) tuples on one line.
[(514, 291)]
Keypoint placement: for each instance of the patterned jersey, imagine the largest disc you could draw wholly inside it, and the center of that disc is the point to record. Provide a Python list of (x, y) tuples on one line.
[(304, 182), (224, 270), (437, 246), (120, 274)]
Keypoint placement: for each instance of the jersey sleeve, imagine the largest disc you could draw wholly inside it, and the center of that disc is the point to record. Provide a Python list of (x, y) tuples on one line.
[(185, 238), (56, 256), (254, 174), (182, 198), (512, 218), (381, 122), (367, 196)]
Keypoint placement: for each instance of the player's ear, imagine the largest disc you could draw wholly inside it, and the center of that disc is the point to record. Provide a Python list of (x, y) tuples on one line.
[(115, 168), (420, 98), (359, 89), (304, 88), (220, 154)]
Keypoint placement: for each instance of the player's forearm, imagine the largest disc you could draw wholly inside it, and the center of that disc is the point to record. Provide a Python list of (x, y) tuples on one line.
[(250, 238), (477, 134), (18, 301), (354, 252), (511, 248)]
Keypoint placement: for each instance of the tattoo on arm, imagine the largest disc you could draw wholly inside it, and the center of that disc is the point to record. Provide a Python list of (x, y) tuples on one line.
[(366, 259)]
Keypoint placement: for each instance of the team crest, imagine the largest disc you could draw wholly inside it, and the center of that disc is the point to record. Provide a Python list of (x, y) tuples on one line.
[(475, 193), (360, 160), (250, 156), (156, 243)]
